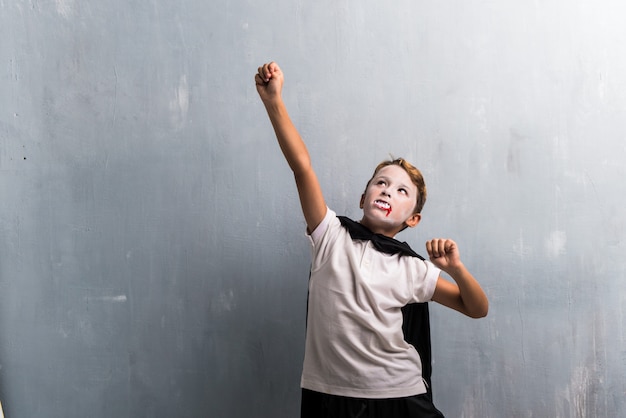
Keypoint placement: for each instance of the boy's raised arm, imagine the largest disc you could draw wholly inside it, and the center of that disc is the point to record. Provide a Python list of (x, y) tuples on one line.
[(269, 83)]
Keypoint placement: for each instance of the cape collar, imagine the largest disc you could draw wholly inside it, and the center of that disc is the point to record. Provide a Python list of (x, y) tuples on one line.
[(381, 242)]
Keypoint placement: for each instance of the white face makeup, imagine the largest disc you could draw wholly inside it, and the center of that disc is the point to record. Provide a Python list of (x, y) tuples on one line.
[(389, 199)]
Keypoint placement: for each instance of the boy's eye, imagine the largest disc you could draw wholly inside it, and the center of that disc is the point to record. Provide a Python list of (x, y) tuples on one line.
[(403, 191), (382, 182)]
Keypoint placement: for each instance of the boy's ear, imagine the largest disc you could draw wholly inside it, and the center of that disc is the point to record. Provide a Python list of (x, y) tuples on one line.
[(413, 220), (362, 201)]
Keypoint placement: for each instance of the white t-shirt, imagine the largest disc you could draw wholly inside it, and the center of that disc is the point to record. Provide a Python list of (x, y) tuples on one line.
[(354, 341)]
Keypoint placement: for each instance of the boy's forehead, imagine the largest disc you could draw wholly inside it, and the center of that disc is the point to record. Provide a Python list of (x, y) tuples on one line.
[(395, 172), (392, 171)]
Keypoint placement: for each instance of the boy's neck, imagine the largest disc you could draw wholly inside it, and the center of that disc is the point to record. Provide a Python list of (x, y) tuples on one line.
[(381, 229)]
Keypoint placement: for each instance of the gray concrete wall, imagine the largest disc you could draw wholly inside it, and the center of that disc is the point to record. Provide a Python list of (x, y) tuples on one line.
[(152, 256)]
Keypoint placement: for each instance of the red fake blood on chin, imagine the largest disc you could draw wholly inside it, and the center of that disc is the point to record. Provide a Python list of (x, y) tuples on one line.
[(388, 212)]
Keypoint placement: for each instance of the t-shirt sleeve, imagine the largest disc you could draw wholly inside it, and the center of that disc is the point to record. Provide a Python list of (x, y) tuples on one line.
[(318, 232), (425, 281)]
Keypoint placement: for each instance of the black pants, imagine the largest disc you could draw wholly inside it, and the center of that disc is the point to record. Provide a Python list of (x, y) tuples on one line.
[(321, 405)]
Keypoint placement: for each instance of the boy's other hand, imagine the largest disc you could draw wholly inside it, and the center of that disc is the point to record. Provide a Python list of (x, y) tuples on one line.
[(269, 81), (443, 253)]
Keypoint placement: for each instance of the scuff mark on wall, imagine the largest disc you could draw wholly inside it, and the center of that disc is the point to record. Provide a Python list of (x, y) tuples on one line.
[(555, 243), (223, 302), (580, 394), (114, 299), (513, 162), (65, 8), (520, 248), (179, 105)]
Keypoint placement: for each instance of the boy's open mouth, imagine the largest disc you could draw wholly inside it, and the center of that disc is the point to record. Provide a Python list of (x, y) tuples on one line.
[(383, 205)]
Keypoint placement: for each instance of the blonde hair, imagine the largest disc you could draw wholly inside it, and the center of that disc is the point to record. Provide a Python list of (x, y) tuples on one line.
[(414, 174)]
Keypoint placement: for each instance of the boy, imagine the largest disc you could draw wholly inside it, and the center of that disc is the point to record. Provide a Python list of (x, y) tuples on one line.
[(357, 362)]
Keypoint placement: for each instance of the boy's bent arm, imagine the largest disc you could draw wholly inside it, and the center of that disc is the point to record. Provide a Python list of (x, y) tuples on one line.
[(466, 295), (269, 81)]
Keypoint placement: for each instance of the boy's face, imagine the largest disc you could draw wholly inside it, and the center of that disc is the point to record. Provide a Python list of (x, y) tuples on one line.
[(389, 201)]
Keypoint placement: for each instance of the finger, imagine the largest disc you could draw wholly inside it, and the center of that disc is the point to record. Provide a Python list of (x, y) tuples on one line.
[(259, 80), (273, 70), (267, 71), (262, 72), (441, 246), (273, 67), (436, 247), (451, 246), (431, 248)]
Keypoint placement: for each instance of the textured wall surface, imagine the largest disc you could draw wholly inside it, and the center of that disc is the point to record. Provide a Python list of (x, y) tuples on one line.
[(152, 253)]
